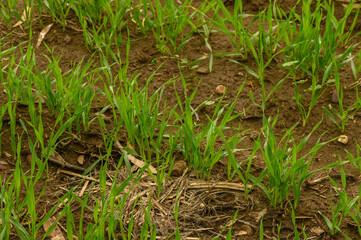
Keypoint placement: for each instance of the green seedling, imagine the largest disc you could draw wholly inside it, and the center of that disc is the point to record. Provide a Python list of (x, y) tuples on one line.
[(356, 67), (7, 9), (267, 36), (148, 227), (14, 87), (355, 160), (168, 23), (239, 32), (316, 91), (3, 110), (343, 207), (203, 158), (306, 47), (342, 114), (11, 204), (101, 22), (305, 109), (355, 212), (285, 170), (311, 43), (58, 9), (265, 44), (296, 233), (176, 213), (204, 26), (140, 115)]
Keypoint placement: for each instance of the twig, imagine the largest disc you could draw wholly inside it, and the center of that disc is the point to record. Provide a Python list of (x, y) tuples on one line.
[(227, 185), (83, 188), (352, 85), (66, 165), (83, 177), (195, 113)]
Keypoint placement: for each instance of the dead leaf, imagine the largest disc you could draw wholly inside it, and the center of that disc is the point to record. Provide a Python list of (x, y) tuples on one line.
[(134, 160), (26, 13), (68, 39), (356, 5), (242, 233), (4, 163), (317, 230), (203, 70), (56, 233), (58, 157), (260, 215), (8, 155), (81, 159), (95, 155), (43, 33)]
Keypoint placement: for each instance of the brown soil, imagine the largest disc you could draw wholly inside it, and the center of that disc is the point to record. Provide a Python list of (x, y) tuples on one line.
[(203, 211)]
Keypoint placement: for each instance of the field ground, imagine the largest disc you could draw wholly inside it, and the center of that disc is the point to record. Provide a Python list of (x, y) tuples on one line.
[(94, 189)]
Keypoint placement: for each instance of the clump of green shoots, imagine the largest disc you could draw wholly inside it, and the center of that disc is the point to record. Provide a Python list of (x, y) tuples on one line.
[(167, 21), (58, 9), (15, 210), (342, 208), (264, 43), (355, 212), (239, 33), (307, 49), (342, 114), (355, 160), (140, 114), (101, 21), (10, 206), (198, 142), (316, 90), (15, 86), (7, 10), (285, 170), (3, 109), (70, 92)]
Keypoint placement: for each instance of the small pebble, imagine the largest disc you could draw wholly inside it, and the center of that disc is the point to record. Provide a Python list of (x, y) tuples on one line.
[(334, 98), (29, 158), (80, 159), (343, 139), (204, 49), (203, 70), (178, 168), (220, 89), (68, 39)]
